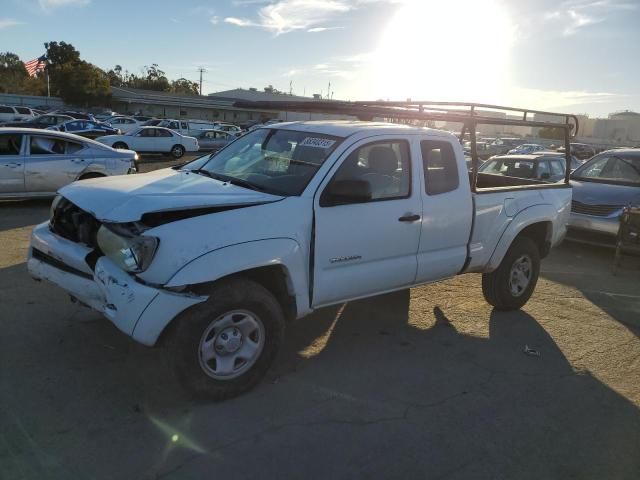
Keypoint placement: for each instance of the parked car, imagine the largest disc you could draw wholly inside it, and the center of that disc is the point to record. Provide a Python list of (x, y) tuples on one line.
[(36, 163), (43, 121), (213, 140), (86, 128), (153, 140), (151, 123), (25, 113), (602, 187), (188, 127), (9, 114), (77, 115), (503, 145), (283, 221), (543, 167), (582, 151), (124, 124), (526, 149), (228, 127), (484, 149), (575, 163)]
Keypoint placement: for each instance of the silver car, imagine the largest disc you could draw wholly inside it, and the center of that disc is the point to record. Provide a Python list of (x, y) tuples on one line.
[(213, 140), (602, 187), (36, 163)]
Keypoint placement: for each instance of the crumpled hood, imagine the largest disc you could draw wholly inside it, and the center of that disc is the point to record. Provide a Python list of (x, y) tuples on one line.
[(125, 198), (596, 193)]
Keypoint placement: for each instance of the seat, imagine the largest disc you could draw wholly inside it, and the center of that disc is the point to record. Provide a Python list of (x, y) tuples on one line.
[(383, 163)]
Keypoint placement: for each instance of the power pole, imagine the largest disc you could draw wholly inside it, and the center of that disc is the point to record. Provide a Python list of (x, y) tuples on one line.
[(201, 70), (328, 90), (290, 87)]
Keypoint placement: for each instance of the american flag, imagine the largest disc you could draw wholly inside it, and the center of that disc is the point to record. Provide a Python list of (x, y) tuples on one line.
[(35, 66)]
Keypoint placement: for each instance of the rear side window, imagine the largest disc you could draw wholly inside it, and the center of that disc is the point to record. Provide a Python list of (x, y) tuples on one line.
[(10, 144), (53, 146), (6, 110), (440, 167)]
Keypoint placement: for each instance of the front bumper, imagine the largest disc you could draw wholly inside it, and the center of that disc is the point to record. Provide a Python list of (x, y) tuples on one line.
[(140, 311)]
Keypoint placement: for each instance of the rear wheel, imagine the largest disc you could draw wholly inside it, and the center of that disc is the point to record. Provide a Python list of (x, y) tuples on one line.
[(224, 346), (177, 151), (121, 146), (510, 286)]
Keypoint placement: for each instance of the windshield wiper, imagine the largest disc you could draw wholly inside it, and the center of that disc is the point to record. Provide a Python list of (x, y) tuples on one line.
[(232, 180)]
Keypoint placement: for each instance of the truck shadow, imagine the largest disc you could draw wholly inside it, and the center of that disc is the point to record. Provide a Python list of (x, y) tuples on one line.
[(511, 414), (589, 269)]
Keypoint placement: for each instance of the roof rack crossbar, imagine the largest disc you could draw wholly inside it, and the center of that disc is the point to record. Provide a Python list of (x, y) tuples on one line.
[(457, 112)]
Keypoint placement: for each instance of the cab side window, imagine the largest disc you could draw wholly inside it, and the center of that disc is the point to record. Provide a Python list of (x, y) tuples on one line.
[(440, 167), (379, 171)]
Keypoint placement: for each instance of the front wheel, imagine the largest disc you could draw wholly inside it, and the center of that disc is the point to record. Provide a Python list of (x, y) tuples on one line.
[(177, 151), (120, 146), (224, 346), (510, 286)]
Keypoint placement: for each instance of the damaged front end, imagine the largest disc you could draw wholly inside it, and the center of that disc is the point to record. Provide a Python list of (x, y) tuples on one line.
[(96, 262)]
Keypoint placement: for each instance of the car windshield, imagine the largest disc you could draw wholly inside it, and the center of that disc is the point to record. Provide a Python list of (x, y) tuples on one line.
[(511, 167), (273, 160), (610, 168)]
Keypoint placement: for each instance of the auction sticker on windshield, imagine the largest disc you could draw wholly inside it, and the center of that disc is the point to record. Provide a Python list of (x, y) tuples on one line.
[(317, 142)]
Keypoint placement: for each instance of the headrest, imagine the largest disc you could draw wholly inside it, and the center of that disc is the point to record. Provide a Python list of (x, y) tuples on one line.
[(383, 160)]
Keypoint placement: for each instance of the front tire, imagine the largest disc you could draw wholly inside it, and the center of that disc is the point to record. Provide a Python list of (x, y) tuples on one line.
[(223, 347), (120, 146), (177, 151), (511, 285)]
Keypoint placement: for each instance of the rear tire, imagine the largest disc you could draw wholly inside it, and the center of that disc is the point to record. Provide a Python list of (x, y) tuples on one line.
[(223, 347), (511, 285), (120, 146), (177, 151)]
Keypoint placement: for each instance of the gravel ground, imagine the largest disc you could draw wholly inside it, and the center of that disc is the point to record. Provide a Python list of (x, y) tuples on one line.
[(424, 383)]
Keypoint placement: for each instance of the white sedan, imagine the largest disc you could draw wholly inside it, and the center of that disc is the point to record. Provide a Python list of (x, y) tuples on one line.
[(153, 140)]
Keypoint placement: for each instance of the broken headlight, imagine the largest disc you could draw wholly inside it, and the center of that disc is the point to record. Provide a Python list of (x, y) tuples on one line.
[(54, 204), (132, 253)]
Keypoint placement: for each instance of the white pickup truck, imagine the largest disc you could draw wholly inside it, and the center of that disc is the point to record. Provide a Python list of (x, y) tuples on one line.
[(215, 256)]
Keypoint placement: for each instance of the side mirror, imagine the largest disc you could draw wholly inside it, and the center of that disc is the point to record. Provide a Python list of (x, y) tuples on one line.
[(345, 192)]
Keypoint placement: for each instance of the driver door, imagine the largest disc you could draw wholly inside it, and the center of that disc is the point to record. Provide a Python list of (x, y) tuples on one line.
[(367, 223)]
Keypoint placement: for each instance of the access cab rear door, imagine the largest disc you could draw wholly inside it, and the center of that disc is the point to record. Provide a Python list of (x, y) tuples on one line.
[(376, 227)]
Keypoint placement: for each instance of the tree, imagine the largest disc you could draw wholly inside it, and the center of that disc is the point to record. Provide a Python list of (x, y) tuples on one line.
[(182, 85), (12, 73), (82, 83)]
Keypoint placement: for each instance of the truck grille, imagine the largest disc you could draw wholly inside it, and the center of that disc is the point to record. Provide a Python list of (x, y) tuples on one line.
[(71, 222), (595, 210)]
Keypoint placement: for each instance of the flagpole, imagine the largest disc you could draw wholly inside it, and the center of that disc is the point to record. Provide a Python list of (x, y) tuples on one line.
[(48, 85)]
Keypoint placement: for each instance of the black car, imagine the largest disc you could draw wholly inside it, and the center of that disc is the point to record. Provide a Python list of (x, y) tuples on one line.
[(78, 115), (86, 128), (43, 121)]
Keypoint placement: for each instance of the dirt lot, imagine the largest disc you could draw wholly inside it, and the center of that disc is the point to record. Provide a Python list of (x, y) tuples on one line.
[(427, 383)]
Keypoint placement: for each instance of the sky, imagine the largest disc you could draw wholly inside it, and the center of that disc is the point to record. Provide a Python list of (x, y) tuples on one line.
[(578, 56)]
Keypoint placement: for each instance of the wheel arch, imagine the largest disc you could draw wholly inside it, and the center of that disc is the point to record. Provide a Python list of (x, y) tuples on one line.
[(282, 272), (536, 222)]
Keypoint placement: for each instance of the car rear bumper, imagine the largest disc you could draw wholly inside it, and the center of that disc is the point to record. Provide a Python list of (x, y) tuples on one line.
[(140, 311)]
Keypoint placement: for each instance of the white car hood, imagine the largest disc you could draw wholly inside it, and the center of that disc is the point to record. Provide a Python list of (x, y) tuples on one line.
[(125, 198)]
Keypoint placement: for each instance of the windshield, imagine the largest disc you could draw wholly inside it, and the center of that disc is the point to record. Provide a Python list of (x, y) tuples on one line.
[(276, 161), (510, 167), (610, 168)]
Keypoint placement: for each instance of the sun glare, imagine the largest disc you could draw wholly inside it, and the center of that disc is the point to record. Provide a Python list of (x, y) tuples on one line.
[(429, 43)]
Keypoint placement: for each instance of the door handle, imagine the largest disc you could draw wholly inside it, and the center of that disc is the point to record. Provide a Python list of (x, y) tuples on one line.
[(12, 165), (409, 218)]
